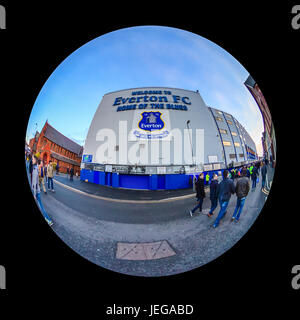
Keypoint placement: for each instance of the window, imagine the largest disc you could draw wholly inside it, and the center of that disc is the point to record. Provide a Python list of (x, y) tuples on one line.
[(241, 155), (223, 131), (237, 144), (219, 112), (219, 119), (229, 121), (226, 143), (234, 133), (232, 156)]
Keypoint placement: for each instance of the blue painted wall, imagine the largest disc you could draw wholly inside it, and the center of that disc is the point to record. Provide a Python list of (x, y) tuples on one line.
[(152, 182)]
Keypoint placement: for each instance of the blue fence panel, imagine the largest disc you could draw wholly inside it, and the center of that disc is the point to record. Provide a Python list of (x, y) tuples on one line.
[(96, 177), (102, 178), (153, 182), (108, 179), (161, 182), (87, 174), (115, 180), (177, 181), (134, 181)]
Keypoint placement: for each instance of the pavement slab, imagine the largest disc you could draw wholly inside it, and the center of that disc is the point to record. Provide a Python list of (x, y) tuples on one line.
[(144, 251)]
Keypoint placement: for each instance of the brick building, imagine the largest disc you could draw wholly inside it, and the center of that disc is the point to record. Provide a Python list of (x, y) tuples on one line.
[(268, 139), (52, 145)]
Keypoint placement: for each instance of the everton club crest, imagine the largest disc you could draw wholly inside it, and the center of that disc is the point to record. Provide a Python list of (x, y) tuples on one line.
[(151, 121)]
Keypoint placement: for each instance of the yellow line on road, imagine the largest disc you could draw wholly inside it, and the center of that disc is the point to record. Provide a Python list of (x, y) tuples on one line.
[(123, 200)]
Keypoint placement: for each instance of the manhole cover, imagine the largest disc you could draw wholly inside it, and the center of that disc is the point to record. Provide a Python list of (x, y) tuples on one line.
[(144, 251)]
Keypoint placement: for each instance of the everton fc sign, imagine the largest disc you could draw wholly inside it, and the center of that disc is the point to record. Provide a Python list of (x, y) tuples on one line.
[(151, 125), (151, 121)]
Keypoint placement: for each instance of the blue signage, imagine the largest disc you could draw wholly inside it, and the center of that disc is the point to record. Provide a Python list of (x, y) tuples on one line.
[(87, 158), (152, 102)]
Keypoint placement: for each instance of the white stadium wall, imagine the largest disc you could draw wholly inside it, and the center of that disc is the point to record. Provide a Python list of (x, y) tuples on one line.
[(157, 131)]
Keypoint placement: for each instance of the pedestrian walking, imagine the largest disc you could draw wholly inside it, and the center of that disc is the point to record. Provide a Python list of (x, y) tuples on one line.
[(36, 189), (225, 190), (232, 173), (50, 174), (71, 174), (271, 161), (241, 189), (213, 194), (200, 194), (27, 163), (45, 174), (264, 171), (254, 177), (30, 169), (258, 168), (41, 176), (68, 171), (266, 161), (248, 172), (57, 169)]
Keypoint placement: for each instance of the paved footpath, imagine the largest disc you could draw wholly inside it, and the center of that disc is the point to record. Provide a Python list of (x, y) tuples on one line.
[(145, 239), (122, 194)]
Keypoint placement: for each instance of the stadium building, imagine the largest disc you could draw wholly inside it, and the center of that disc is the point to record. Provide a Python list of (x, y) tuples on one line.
[(158, 138)]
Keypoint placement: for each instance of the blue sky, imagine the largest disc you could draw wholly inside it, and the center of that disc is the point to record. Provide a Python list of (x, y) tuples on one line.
[(140, 57)]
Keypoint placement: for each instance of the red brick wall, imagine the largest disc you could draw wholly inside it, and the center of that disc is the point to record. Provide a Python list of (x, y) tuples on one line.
[(45, 147)]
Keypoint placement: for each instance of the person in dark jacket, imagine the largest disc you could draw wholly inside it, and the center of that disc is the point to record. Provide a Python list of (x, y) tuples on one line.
[(266, 161), (225, 190), (213, 194), (200, 194), (241, 189), (30, 166), (45, 174), (71, 174), (35, 186), (254, 177), (264, 171), (248, 172), (232, 172), (258, 168)]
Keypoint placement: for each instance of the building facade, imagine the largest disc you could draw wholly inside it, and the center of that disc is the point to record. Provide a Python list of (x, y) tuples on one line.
[(52, 145), (157, 138), (268, 138)]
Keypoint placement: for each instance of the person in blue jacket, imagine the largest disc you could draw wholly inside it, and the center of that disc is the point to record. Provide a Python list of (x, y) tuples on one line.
[(225, 189), (213, 194)]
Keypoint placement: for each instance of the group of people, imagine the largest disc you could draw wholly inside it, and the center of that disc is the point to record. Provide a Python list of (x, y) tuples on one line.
[(46, 172), (71, 173), (40, 174), (221, 192)]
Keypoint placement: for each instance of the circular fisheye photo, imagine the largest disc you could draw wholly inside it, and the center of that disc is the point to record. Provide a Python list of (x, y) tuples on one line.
[(150, 151)]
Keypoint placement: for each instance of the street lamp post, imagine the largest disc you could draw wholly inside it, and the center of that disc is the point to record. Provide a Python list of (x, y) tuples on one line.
[(187, 124)]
